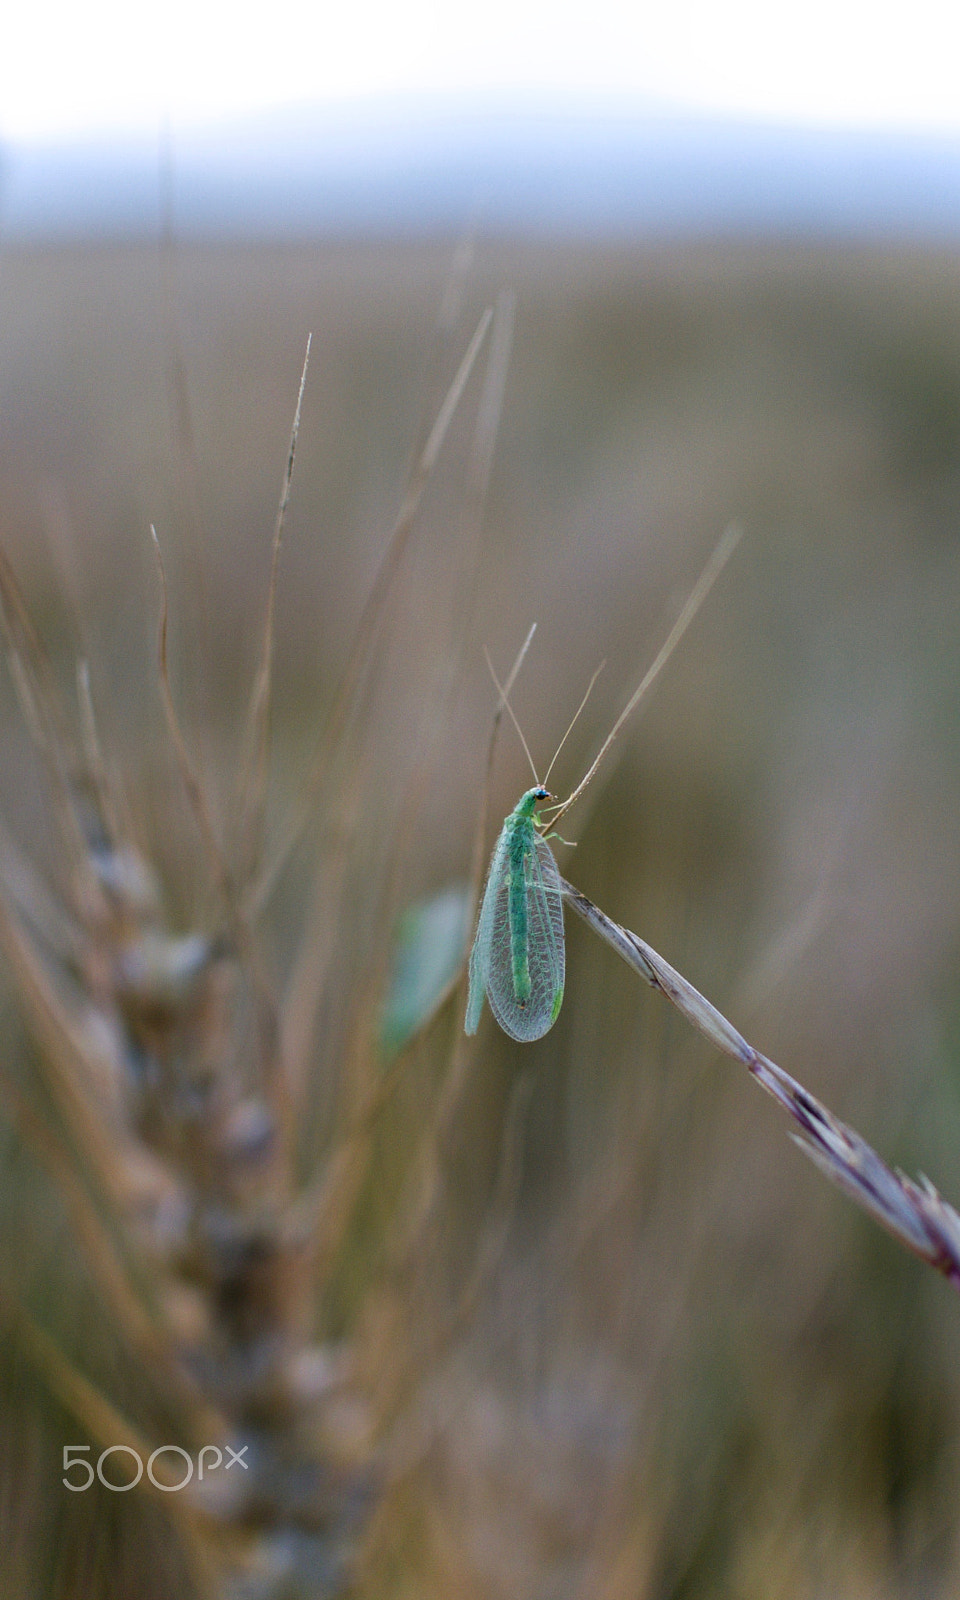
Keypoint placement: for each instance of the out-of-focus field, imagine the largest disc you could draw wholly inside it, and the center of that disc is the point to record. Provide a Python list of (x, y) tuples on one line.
[(691, 1368)]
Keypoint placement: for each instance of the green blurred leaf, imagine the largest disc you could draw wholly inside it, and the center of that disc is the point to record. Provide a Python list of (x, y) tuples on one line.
[(430, 946)]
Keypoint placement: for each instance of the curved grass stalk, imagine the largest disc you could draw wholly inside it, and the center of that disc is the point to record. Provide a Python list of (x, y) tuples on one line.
[(915, 1213)]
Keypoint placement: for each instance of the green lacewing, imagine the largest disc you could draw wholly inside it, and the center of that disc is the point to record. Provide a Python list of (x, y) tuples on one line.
[(517, 959)]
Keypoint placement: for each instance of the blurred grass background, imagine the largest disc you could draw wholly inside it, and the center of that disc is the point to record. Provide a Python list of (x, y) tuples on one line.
[(693, 1370)]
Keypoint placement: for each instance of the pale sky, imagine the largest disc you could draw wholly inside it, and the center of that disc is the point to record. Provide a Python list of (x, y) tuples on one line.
[(69, 68)]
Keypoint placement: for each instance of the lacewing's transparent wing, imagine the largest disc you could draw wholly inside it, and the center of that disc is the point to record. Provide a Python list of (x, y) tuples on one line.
[(491, 959), (480, 953)]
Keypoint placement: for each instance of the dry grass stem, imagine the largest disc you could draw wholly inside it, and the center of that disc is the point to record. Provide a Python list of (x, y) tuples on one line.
[(914, 1213), (366, 628), (724, 550), (254, 764)]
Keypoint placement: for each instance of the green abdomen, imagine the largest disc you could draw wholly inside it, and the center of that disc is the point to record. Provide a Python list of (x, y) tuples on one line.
[(521, 842)]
